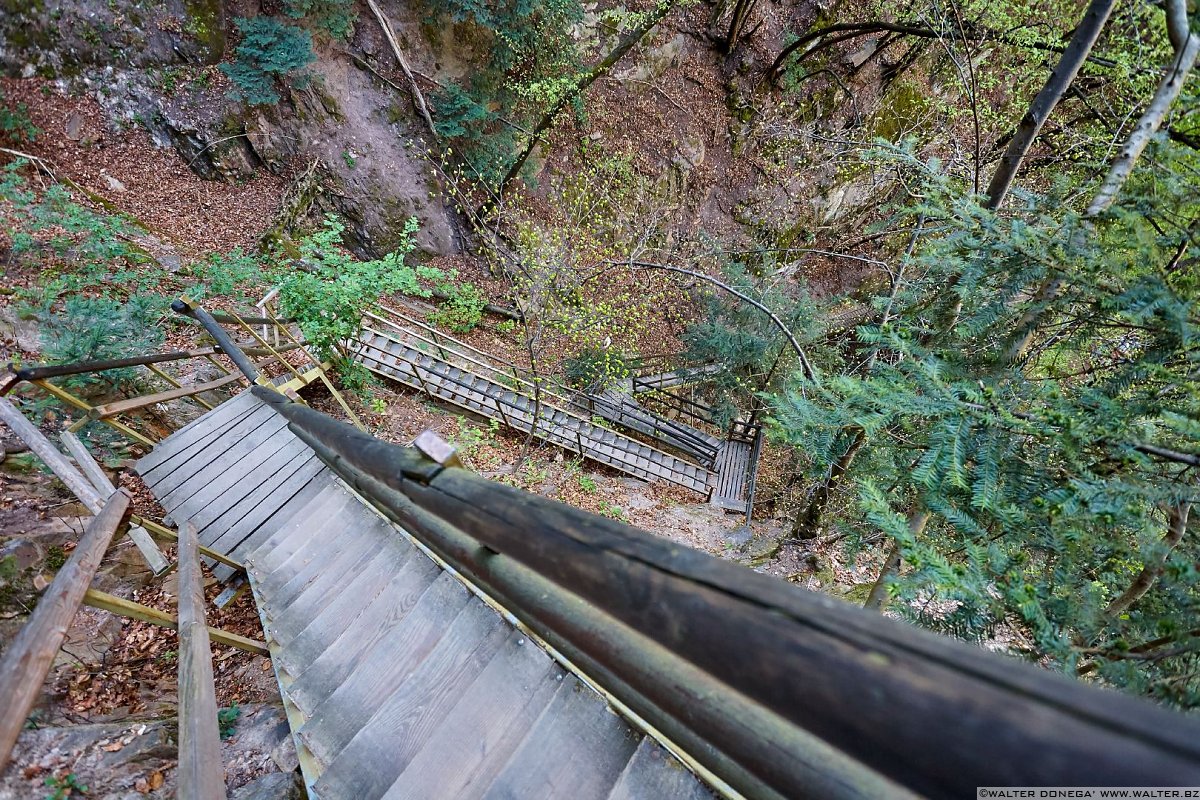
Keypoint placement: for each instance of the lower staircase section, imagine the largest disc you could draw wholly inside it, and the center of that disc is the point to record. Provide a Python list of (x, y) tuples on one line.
[(400, 680), (390, 355)]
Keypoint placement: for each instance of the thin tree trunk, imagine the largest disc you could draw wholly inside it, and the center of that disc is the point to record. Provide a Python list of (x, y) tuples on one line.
[(737, 25), (1177, 525), (624, 46), (1187, 48), (418, 98), (1056, 87), (808, 523), (916, 524)]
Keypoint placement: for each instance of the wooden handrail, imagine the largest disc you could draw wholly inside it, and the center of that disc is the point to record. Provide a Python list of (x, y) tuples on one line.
[(29, 657), (780, 692), (200, 775), (134, 403)]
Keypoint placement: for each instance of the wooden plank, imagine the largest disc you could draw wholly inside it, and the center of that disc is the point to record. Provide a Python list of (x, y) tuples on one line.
[(407, 628), (577, 749), (239, 530), (245, 494), (200, 775), (406, 581), (478, 736), (405, 718), (187, 462), (225, 488), (100, 481), (341, 608), (653, 773), (190, 434), (222, 456), (135, 403), (128, 608), (332, 553), (163, 532), (303, 509), (308, 545), (31, 653)]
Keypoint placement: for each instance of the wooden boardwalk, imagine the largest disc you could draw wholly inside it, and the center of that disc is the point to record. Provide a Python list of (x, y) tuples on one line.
[(396, 354), (733, 469), (400, 681)]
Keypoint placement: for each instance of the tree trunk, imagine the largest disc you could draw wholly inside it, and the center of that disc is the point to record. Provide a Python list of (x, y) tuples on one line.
[(1187, 48), (1056, 86), (1177, 525), (624, 46), (737, 25), (418, 98), (916, 524), (808, 522)]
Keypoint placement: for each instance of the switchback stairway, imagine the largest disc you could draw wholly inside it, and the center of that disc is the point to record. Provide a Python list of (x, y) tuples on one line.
[(399, 678), (404, 350)]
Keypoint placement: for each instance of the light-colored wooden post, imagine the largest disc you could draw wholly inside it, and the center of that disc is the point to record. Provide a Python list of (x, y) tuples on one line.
[(31, 653), (200, 775)]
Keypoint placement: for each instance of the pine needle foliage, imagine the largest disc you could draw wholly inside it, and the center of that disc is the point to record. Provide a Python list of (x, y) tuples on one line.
[(1035, 462), (270, 53)]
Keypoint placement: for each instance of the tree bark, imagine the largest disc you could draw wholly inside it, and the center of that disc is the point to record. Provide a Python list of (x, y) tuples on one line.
[(1177, 525), (808, 523), (624, 46), (875, 600), (1056, 87), (1187, 48), (737, 25)]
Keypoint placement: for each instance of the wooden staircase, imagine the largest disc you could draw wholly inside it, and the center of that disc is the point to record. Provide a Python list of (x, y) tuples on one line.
[(400, 679), (403, 354)]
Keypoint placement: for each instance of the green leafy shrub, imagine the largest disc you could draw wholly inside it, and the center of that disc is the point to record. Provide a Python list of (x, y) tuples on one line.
[(270, 52), (335, 17), (227, 273), (462, 310), (595, 368), (15, 123), (227, 720)]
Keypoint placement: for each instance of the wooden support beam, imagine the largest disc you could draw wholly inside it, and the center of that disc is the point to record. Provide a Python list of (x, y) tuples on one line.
[(29, 657), (163, 532), (134, 403), (63, 396), (200, 775), (166, 377), (154, 558), (128, 608)]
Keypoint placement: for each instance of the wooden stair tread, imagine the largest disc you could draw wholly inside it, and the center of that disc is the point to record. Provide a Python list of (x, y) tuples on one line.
[(654, 773)]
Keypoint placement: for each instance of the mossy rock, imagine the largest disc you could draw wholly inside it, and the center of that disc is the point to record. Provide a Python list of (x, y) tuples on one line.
[(206, 24)]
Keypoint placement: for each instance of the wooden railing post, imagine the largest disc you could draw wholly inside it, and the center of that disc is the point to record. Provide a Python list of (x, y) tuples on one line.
[(32, 652), (200, 775)]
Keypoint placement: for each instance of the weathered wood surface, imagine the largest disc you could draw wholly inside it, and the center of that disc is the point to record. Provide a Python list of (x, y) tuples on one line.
[(200, 775), (127, 608), (940, 717), (29, 656), (134, 403), (653, 773), (100, 481)]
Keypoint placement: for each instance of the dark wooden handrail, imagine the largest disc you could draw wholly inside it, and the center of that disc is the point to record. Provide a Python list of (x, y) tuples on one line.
[(224, 341), (778, 691)]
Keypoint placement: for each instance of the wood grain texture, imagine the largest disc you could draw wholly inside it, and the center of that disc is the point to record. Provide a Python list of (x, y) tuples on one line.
[(577, 749), (329, 650), (237, 500), (395, 652), (194, 434), (165, 477), (404, 719), (30, 654), (200, 775), (475, 739), (218, 458), (100, 481), (42, 447), (654, 774)]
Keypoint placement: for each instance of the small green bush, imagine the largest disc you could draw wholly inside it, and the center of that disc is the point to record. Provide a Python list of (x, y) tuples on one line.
[(462, 309), (101, 328), (227, 273), (227, 720), (270, 52), (335, 17), (15, 123), (595, 368)]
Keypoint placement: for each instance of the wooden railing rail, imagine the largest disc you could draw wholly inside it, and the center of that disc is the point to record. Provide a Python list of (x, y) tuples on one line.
[(30, 655), (778, 691)]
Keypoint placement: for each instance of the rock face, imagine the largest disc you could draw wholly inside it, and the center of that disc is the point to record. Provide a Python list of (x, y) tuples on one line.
[(145, 64)]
